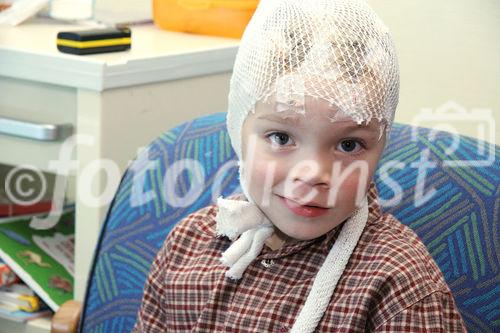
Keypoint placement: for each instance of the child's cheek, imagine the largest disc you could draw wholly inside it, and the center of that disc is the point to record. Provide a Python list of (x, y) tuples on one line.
[(350, 183), (353, 178), (264, 174)]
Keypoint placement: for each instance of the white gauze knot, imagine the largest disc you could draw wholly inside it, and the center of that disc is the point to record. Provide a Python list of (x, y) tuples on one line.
[(241, 218)]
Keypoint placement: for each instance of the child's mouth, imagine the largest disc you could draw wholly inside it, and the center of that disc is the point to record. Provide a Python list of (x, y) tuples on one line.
[(304, 210)]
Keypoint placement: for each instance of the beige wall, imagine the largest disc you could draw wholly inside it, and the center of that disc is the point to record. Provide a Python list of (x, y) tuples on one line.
[(448, 50)]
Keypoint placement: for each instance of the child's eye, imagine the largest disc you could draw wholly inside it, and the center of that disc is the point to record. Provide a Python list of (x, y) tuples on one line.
[(280, 139), (349, 146)]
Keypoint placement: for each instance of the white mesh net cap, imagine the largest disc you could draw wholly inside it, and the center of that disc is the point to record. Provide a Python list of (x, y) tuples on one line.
[(337, 50)]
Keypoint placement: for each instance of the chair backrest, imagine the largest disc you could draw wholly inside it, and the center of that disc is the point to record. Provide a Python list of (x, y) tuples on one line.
[(195, 163)]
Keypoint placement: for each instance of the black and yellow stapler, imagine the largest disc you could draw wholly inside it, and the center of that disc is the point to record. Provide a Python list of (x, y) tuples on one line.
[(94, 41)]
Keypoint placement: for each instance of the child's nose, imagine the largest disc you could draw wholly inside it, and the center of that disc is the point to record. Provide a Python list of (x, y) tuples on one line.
[(314, 172)]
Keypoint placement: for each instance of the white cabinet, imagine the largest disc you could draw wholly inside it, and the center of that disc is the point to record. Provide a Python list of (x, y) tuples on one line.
[(121, 101)]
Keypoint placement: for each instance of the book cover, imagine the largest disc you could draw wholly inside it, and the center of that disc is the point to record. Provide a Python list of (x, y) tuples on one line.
[(27, 303), (9, 208), (43, 259), (15, 314), (7, 275), (18, 302)]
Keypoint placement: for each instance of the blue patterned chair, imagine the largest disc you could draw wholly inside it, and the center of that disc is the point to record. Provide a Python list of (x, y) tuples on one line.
[(458, 224)]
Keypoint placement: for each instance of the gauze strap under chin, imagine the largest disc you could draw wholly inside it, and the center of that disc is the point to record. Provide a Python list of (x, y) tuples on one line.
[(330, 272)]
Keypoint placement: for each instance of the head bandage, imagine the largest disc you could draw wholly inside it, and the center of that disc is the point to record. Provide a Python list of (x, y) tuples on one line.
[(336, 50)]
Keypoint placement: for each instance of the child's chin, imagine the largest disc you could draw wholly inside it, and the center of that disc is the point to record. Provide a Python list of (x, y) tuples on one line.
[(301, 235)]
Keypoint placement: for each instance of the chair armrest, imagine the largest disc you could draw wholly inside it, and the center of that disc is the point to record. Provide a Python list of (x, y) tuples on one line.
[(66, 319)]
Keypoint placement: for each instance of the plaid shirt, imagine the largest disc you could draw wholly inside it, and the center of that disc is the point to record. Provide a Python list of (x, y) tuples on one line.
[(391, 283)]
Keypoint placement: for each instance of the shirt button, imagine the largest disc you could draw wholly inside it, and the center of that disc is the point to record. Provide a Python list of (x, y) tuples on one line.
[(267, 263)]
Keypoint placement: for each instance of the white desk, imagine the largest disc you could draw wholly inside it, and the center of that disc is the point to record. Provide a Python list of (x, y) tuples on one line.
[(122, 100)]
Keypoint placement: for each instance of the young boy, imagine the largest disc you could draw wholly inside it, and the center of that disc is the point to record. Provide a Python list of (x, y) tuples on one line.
[(305, 248)]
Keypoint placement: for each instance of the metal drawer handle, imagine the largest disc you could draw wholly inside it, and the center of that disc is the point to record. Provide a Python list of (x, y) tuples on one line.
[(35, 131)]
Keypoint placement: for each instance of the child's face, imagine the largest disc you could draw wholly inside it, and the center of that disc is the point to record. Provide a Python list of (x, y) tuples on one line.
[(294, 164)]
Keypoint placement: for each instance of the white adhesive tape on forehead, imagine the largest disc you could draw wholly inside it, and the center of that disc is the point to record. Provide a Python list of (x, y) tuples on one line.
[(336, 50)]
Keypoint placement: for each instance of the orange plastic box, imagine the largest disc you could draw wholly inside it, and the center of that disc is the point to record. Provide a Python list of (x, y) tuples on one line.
[(227, 18)]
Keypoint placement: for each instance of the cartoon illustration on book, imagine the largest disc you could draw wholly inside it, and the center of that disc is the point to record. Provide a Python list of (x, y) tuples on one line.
[(60, 247), (30, 257), (58, 282)]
